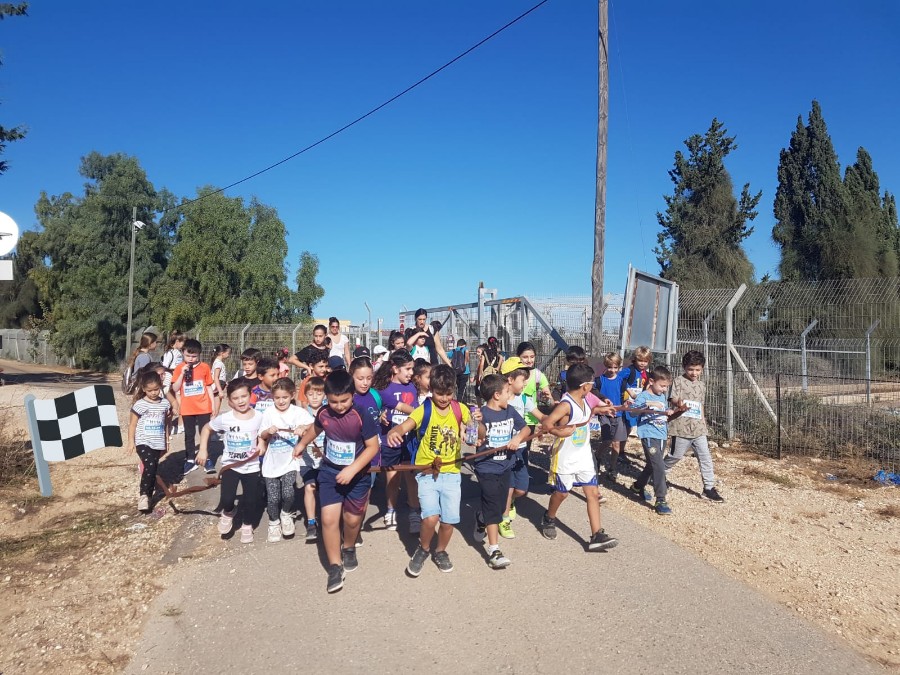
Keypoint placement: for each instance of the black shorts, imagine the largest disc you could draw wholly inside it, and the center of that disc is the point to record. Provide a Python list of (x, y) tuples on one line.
[(494, 494), (613, 429)]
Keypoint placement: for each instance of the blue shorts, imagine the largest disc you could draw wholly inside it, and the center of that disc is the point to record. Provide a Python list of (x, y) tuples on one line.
[(391, 456), (564, 482), (354, 496), (518, 478), (440, 497), (308, 474)]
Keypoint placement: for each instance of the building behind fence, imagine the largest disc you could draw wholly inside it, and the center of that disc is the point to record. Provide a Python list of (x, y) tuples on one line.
[(793, 367)]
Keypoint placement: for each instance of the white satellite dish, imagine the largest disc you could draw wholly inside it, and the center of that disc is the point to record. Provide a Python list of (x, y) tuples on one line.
[(9, 234)]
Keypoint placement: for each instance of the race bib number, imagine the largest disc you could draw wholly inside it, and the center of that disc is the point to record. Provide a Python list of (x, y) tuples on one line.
[(283, 442), (264, 405), (580, 436), (194, 388), (500, 434), (633, 392), (656, 420), (398, 418), (153, 424), (340, 453), (694, 411), (238, 445)]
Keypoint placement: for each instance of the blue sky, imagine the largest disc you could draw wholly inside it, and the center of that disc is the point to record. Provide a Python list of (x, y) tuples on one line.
[(489, 163)]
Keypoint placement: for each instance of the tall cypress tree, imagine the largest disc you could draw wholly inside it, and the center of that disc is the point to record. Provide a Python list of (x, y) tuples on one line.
[(812, 224), (874, 246), (704, 223)]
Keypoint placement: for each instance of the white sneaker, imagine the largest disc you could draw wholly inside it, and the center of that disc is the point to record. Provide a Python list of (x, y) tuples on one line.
[(247, 534), (226, 522), (274, 532), (287, 524), (390, 520), (415, 521), (143, 503)]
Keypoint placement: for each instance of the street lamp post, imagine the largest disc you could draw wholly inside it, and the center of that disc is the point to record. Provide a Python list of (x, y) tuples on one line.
[(135, 226)]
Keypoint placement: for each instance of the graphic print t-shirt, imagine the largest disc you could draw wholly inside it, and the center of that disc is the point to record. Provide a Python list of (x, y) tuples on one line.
[(151, 426), (194, 396), (442, 436), (393, 395), (240, 439), (279, 457), (501, 426), (345, 435), (651, 425), (261, 399)]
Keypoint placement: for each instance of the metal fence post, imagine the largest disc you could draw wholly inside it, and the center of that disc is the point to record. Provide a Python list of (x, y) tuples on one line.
[(729, 367), (869, 360), (803, 363), (380, 321), (523, 318), (778, 415), (243, 333), (706, 335)]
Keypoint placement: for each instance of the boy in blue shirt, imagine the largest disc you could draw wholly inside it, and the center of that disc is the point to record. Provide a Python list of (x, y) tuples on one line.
[(653, 413), (613, 431)]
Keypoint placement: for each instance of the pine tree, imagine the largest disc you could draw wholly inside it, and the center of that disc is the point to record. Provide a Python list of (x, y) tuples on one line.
[(704, 224), (874, 249), (812, 208)]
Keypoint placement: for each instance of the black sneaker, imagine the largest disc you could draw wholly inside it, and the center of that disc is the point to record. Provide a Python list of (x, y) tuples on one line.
[(548, 527), (417, 562), (335, 578), (713, 495), (600, 541), (359, 541), (479, 529), (442, 560), (312, 532), (348, 558)]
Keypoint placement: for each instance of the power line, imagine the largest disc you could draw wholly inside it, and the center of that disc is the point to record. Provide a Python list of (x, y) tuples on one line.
[(368, 114)]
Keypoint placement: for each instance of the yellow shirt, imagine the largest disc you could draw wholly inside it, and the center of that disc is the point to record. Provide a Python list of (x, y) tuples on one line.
[(441, 438)]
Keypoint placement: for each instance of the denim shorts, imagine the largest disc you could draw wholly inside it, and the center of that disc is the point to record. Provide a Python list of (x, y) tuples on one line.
[(518, 477), (440, 497)]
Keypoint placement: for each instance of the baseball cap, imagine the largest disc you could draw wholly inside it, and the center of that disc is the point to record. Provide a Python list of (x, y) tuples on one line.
[(360, 351), (336, 363), (511, 364), (379, 349)]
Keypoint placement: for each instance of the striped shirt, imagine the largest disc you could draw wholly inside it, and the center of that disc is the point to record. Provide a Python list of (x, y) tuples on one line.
[(151, 425)]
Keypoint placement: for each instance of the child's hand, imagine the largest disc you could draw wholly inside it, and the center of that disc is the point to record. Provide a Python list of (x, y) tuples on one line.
[(200, 459), (344, 476), (317, 451), (394, 438), (382, 418), (272, 430), (477, 416), (300, 430), (512, 445)]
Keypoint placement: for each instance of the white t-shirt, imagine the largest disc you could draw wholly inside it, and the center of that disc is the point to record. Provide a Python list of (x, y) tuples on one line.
[(523, 405), (151, 425), (420, 352), (308, 460), (222, 374), (279, 457), (337, 345), (172, 358), (240, 439)]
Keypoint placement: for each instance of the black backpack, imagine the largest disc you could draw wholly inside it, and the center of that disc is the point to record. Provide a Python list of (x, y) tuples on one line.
[(459, 361)]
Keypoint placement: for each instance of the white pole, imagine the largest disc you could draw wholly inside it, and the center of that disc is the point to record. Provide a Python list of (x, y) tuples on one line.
[(40, 464)]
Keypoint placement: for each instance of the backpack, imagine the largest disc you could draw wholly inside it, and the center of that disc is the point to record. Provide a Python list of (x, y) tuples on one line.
[(129, 381), (459, 361), (426, 420), (490, 367)]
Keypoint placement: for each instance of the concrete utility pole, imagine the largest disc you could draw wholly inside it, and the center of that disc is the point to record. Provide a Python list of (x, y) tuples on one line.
[(597, 305), (130, 284)]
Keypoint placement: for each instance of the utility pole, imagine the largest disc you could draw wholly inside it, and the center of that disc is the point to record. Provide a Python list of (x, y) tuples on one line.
[(597, 306), (130, 284)]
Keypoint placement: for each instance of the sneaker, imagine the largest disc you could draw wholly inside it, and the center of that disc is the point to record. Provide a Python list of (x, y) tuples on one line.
[(442, 560), (417, 562), (287, 524), (600, 541), (335, 578), (246, 534), (506, 530), (713, 495), (663, 509), (390, 521), (642, 492), (602, 498), (143, 503), (512, 511), (498, 561), (359, 541), (415, 521), (479, 529), (348, 559), (312, 531), (274, 532), (548, 527), (189, 466), (226, 522), (209, 466)]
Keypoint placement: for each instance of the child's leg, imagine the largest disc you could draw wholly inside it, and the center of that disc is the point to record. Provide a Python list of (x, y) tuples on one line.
[(445, 532), (677, 448), (228, 491), (190, 434), (704, 459), (426, 534), (354, 507), (273, 499), (655, 449), (591, 496), (647, 472), (249, 495), (331, 533), (412, 490), (287, 482), (556, 499), (309, 501), (494, 493), (150, 459), (392, 488)]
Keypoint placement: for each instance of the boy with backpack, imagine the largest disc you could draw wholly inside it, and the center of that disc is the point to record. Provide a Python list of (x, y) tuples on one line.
[(440, 421), (459, 361)]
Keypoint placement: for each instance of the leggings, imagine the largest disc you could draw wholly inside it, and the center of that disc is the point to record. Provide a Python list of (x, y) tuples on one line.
[(249, 493), (150, 459), (280, 494)]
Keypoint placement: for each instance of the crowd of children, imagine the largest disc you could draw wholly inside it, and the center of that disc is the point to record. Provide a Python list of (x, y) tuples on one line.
[(401, 416)]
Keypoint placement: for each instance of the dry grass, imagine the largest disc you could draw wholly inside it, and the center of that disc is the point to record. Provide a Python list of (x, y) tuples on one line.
[(758, 472), (889, 511), (16, 458), (841, 489)]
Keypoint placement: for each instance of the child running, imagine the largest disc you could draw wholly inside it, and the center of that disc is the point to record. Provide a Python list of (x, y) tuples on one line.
[(148, 433), (572, 462), (365, 397), (261, 394), (634, 380), (351, 441), (312, 457), (439, 421), (399, 397), (171, 358), (221, 352), (281, 427), (613, 431), (240, 426), (503, 430), (192, 380)]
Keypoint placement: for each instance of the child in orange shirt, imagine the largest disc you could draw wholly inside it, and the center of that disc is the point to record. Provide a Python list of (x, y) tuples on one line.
[(192, 379)]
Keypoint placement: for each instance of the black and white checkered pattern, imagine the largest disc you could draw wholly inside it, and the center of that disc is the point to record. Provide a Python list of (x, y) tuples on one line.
[(77, 423)]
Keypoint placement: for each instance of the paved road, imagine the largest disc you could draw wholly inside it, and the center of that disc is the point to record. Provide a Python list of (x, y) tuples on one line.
[(647, 606)]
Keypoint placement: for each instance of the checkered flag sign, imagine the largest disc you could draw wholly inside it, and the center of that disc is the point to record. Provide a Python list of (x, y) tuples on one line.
[(77, 423)]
